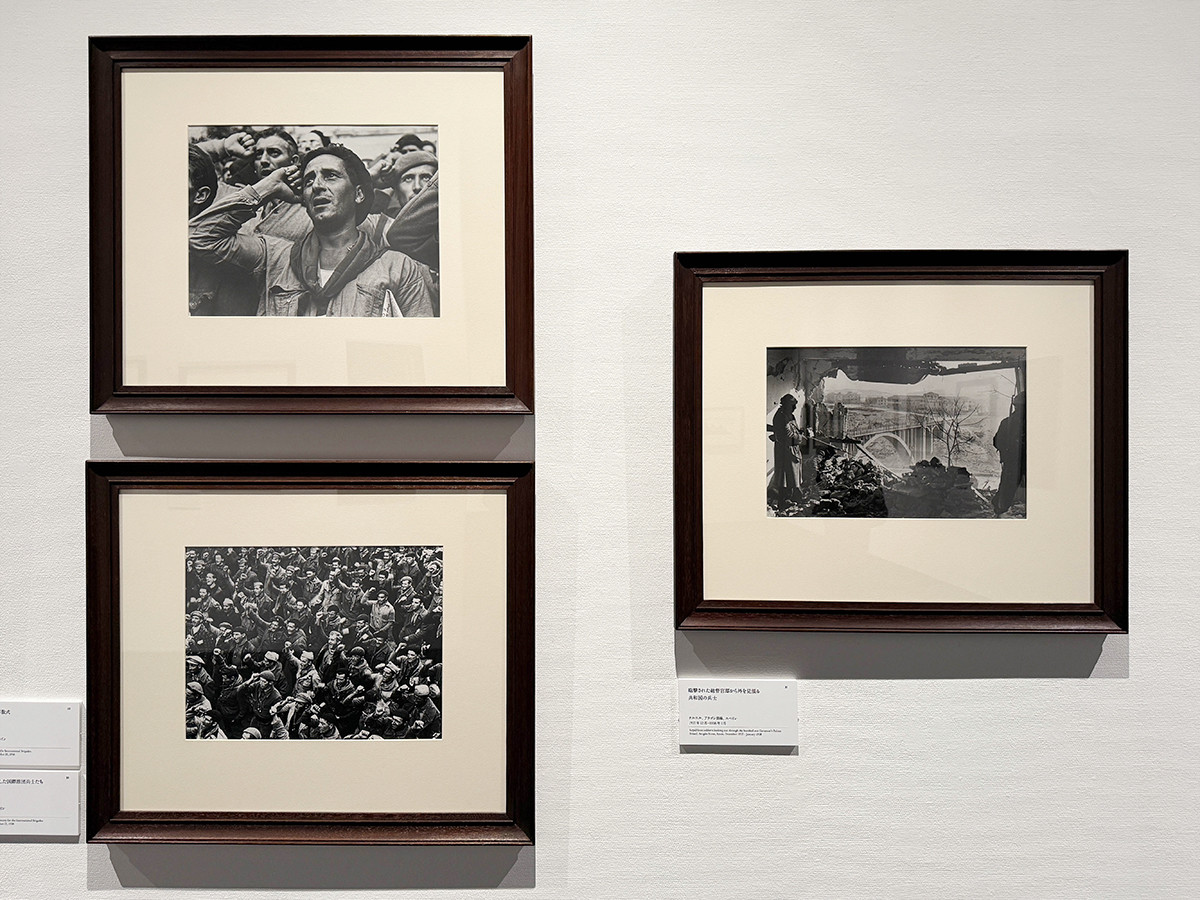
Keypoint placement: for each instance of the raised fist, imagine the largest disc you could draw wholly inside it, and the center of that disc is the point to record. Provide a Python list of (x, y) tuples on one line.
[(240, 145)]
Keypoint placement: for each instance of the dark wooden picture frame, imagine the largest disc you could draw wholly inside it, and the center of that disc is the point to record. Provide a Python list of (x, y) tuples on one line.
[(111, 56), (108, 822), (1105, 271)]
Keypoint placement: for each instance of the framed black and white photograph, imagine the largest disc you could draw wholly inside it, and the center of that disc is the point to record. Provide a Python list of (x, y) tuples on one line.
[(313, 643), (310, 652), (901, 440), (325, 222), (898, 432), (356, 235)]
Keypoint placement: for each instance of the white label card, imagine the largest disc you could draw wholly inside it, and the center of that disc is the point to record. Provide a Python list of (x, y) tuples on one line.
[(36, 734), (38, 802), (758, 712)]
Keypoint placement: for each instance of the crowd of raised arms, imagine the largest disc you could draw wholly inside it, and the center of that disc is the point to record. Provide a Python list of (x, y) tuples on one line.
[(323, 643)]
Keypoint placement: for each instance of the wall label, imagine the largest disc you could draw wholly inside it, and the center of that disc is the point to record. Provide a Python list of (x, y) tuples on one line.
[(758, 712), (38, 802), (37, 734)]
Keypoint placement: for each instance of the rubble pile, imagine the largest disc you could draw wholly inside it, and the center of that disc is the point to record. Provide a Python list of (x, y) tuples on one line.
[(1016, 511), (848, 487), (933, 491)]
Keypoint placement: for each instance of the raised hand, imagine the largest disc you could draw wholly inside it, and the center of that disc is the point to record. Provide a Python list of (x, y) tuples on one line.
[(240, 145), (280, 184)]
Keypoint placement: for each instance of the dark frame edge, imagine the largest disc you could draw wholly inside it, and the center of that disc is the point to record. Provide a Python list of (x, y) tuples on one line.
[(520, 662), (162, 48), (1111, 438), (518, 215), (464, 402), (103, 687), (915, 621), (104, 178), (689, 533), (284, 832)]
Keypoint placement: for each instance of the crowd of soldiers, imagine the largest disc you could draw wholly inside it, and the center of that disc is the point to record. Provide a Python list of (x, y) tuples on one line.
[(288, 221), (322, 643)]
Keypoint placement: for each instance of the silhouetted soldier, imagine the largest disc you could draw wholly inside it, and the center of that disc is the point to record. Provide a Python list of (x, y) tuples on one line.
[(1010, 441)]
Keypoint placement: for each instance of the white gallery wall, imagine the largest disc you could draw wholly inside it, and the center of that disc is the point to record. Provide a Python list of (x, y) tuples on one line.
[(938, 766)]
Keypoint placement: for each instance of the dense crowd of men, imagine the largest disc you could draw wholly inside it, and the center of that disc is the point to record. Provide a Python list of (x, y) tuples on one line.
[(322, 643), (289, 222)]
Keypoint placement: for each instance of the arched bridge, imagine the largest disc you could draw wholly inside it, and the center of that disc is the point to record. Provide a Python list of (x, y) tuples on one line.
[(915, 438)]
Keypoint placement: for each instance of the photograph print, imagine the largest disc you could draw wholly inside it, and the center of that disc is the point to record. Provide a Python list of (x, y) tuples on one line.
[(313, 643), (898, 432), (304, 220)]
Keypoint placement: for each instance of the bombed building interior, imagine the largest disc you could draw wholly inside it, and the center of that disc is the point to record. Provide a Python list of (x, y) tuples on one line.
[(903, 432)]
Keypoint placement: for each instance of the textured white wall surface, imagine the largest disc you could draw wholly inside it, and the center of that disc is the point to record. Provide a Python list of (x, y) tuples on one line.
[(927, 767)]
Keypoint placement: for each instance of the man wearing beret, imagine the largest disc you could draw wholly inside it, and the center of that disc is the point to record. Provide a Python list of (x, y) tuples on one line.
[(196, 703), (261, 699), (338, 269), (389, 679), (413, 173), (273, 663), (224, 642), (428, 723), (407, 143), (407, 175)]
